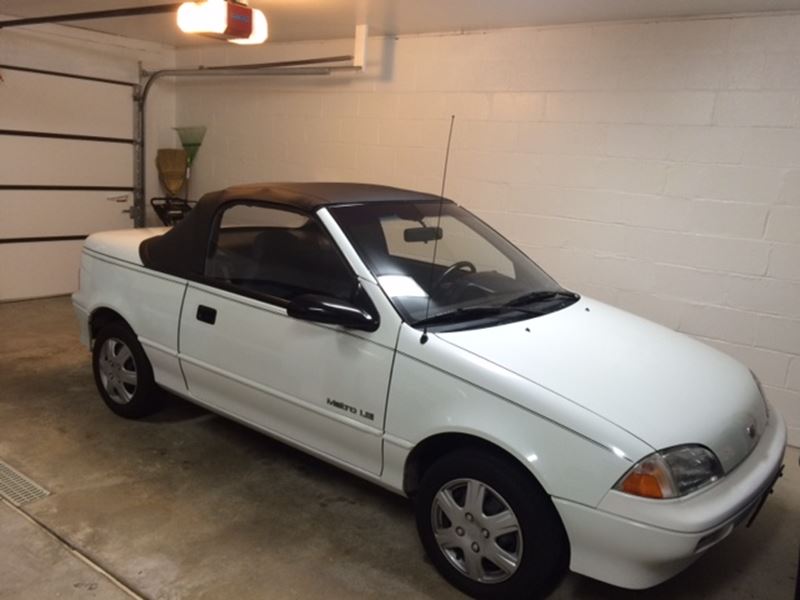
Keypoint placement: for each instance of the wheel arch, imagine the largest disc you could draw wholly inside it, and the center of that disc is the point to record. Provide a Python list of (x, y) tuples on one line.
[(102, 316), (425, 453)]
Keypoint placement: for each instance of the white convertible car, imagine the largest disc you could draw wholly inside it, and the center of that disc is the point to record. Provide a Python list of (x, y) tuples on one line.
[(394, 334)]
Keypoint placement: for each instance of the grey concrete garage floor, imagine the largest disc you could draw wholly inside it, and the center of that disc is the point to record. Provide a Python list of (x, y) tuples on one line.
[(189, 505)]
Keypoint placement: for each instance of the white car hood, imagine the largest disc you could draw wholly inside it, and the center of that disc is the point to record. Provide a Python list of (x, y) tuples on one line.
[(663, 387)]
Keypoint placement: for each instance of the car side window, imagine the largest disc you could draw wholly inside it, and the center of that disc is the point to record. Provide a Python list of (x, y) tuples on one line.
[(274, 252)]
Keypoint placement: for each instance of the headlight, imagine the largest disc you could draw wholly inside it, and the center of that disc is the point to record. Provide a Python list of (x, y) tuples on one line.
[(672, 473)]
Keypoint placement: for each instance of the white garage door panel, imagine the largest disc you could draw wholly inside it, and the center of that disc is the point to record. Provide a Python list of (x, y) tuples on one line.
[(52, 104), (35, 102), (54, 213), (42, 269), (39, 161)]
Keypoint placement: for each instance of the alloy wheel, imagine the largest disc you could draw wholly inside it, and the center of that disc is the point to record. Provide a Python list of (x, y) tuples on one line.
[(476, 530), (117, 371)]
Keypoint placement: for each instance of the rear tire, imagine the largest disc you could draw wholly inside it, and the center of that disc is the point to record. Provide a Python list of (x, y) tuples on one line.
[(489, 527), (123, 374)]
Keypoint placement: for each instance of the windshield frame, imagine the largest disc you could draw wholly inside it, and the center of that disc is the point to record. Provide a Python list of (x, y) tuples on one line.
[(349, 217)]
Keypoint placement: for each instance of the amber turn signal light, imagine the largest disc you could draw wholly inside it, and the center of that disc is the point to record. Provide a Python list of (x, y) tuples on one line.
[(642, 484), (650, 478)]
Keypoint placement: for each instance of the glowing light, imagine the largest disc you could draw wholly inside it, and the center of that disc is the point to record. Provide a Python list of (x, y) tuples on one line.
[(203, 17), (233, 21)]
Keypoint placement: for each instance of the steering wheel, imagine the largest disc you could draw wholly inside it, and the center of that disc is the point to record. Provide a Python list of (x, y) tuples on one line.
[(458, 266)]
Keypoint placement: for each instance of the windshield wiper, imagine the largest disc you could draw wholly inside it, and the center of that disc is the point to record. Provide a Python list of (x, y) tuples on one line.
[(467, 312), (539, 296)]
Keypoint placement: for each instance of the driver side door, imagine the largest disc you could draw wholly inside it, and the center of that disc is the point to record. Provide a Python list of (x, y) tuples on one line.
[(320, 387)]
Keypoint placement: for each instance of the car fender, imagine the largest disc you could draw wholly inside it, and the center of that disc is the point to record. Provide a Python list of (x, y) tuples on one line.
[(148, 301), (437, 389)]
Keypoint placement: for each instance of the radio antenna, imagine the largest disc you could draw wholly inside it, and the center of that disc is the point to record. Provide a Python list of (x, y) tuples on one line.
[(424, 337)]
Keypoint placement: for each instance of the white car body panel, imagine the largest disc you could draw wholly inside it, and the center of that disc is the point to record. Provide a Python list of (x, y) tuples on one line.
[(280, 373), (115, 284), (661, 386), (122, 244), (576, 396), (438, 390), (638, 543)]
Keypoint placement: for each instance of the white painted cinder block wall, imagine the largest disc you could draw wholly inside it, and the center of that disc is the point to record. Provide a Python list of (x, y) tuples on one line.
[(655, 166)]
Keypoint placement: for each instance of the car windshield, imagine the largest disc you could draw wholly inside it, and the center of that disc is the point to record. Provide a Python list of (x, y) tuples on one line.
[(476, 276)]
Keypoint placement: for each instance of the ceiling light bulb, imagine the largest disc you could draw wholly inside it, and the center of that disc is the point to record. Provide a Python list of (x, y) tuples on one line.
[(203, 17), (260, 30)]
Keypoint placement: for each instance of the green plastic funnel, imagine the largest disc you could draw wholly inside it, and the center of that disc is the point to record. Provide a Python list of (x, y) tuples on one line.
[(191, 139)]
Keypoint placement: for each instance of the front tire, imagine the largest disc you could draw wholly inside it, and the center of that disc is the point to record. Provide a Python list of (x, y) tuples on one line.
[(489, 527), (122, 373)]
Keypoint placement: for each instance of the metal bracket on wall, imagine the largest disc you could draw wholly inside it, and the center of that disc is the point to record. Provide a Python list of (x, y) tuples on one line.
[(137, 209)]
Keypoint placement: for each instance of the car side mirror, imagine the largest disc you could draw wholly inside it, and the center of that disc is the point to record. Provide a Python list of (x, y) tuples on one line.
[(333, 311)]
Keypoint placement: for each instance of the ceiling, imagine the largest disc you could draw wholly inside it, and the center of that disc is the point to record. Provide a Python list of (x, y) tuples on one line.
[(292, 20)]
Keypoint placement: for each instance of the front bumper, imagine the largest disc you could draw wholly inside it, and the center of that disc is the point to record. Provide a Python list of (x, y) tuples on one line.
[(638, 543)]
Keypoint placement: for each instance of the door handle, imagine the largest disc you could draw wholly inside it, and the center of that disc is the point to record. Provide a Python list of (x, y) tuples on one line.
[(206, 314)]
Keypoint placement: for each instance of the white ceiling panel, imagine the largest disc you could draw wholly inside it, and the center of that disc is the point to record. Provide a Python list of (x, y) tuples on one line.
[(292, 20)]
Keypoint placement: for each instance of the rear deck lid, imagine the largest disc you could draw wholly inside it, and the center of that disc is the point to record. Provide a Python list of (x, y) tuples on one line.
[(122, 244)]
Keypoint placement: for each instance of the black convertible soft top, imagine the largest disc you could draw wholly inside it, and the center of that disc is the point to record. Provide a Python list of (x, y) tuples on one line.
[(182, 250)]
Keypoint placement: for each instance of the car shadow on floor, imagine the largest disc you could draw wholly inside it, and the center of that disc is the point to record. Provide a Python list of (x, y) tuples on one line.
[(178, 410)]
